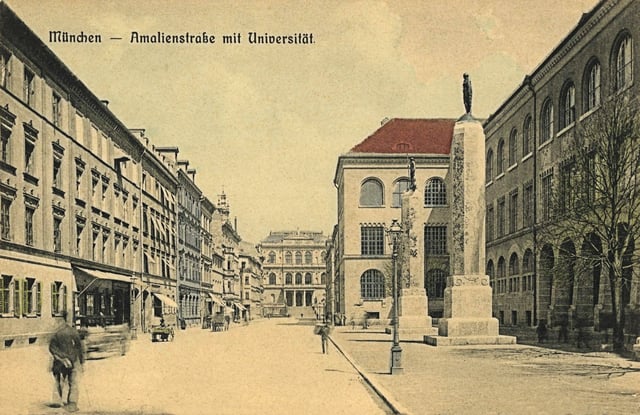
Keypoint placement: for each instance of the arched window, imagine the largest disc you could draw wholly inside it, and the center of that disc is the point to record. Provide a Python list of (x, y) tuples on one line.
[(500, 157), (371, 193), (513, 147), (592, 86), (489, 167), (372, 285), (623, 62), (323, 278), (288, 278), (546, 122), (308, 258), (567, 105), (526, 136), (514, 267), (272, 257), (307, 279), (298, 278), (272, 279), (401, 186), (435, 283), (501, 270), (288, 257), (298, 258), (491, 274), (435, 192)]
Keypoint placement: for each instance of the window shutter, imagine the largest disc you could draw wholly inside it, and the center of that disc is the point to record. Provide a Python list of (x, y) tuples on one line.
[(25, 297), (39, 298), (2, 299), (17, 297), (64, 299), (54, 303)]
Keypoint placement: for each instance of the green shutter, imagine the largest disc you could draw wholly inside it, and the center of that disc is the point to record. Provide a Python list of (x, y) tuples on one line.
[(54, 302), (64, 298), (39, 298), (17, 297), (2, 299), (25, 297)]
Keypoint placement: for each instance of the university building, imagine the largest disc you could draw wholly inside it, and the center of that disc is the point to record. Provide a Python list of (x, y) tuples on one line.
[(528, 156), (294, 272), (370, 180)]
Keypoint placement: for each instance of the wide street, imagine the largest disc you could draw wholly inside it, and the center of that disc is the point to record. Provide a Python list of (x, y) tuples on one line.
[(270, 366)]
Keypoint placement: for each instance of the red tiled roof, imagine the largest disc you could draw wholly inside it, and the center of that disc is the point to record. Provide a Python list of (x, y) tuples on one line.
[(401, 135)]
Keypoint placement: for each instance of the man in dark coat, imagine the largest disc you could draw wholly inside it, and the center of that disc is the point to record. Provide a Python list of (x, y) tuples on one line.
[(324, 335), (68, 356)]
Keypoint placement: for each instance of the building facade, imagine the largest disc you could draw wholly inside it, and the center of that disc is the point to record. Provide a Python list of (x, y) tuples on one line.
[(70, 197), (370, 182), (294, 273), (527, 141), (251, 279)]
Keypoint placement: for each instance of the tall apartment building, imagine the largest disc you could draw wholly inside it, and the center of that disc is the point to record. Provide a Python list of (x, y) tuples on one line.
[(370, 181), (528, 156), (251, 279), (70, 196), (294, 273)]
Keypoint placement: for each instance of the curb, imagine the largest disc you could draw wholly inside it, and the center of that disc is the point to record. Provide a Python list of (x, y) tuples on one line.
[(382, 392)]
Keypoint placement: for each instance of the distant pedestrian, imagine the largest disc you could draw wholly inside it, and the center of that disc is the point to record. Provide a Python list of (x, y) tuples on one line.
[(344, 320), (563, 333), (541, 331), (324, 335), (353, 324), (67, 350)]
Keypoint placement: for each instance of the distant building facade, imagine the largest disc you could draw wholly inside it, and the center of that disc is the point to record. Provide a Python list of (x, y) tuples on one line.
[(294, 273), (251, 280)]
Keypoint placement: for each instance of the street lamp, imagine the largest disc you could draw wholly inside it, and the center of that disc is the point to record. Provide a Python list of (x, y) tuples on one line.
[(394, 232)]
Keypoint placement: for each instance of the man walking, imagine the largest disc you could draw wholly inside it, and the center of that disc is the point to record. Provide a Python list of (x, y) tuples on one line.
[(68, 356), (324, 335)]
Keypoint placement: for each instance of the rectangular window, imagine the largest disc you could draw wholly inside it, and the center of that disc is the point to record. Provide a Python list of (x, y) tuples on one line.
[(501, 217), (435, 240), (372, 240), (57, 176), (513, 211), (32, 297), (547, 196), (56, 108), (57, 236), (5, 294), (5, 223), (5, 68), (5, 148), (29, 87), (79, 229), (29, 164), (28, 225), (527, 204)]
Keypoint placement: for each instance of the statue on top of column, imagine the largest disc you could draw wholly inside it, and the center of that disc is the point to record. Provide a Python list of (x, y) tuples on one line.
[(467, 92)]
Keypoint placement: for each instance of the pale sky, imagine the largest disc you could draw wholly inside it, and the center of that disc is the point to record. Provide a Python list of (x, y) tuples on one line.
[(268, 122)]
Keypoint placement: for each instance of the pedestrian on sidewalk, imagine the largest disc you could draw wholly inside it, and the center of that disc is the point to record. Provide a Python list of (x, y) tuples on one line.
[(541, 331), (324, 335), (67, 349)]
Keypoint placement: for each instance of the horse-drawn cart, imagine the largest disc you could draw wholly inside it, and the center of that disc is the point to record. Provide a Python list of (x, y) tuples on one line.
[(162, 333)]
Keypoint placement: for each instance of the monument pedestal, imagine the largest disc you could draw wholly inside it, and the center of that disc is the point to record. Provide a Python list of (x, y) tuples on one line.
[(413, 321)]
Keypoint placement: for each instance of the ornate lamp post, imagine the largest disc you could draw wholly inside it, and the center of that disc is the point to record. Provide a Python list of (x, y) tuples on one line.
[(394, 232)]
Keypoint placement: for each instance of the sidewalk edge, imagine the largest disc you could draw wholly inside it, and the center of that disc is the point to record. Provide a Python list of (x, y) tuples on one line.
[(382, 392)]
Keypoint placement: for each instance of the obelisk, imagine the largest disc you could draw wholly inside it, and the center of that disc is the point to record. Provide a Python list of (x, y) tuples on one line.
[(467, 315)]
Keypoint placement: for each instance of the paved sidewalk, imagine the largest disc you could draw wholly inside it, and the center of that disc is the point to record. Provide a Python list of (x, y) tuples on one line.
[(513, 379)]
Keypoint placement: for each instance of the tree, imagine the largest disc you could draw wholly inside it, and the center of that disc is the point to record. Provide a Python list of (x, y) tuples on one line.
[(597, 202)]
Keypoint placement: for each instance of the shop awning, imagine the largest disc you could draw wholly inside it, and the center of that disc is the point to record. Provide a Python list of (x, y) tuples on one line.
[(216, 300), (105, 275), (166, 300), (239, 306)]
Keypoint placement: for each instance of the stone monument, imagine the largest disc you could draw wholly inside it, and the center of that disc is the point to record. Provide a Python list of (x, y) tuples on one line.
[(467, 315), (413, 320)]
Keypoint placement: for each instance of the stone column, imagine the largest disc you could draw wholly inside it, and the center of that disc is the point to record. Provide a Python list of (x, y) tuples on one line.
[(468, 297), (413, 321)]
